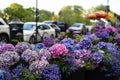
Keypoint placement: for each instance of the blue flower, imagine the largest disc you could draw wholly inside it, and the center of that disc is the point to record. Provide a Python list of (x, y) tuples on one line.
[(39, 46), (69, 46)]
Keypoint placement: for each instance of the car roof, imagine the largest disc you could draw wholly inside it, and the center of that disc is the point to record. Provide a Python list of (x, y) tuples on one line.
[(33, 23)]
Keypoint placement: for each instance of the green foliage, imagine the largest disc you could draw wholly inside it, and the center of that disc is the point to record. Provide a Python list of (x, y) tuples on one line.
[(78, 38), (15, 10), (27, 75)]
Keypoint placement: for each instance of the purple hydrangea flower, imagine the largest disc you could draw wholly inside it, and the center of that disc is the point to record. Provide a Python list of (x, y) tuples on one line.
[(96, 58), (85, 43), (20, 47), (117, 38), (44, 53), (9, 58), (51, 72), (37, 66), (29, 55), (85, 54), (48, 42), (68, 40), (101, 45), (6, 47), (102, 34)]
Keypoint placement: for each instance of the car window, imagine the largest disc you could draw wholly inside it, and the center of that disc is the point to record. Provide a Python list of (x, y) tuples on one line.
[(43, 27), (76, 25), (53, 26), (1, 23), (28, 26)]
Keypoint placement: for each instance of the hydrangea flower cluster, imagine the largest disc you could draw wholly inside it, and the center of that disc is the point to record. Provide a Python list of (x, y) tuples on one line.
[(44, 53), (48, 42), (37, 66), (102, 34), (29, 55), (9, 58), (39, 46), (51, 72), (58, 50), (85, 43), (68, 40), (22, 46), (6, 47), (117, 38)]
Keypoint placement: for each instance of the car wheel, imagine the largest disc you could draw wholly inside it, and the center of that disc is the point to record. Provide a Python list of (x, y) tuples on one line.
[(52, 36), (45, 35), (32, 40), (4, 38)]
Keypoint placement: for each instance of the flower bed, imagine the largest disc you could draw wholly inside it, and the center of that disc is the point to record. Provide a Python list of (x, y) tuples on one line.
[(64, 58)]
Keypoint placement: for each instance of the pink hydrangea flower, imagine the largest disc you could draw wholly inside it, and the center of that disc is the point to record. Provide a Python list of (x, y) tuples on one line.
[(58, 50)]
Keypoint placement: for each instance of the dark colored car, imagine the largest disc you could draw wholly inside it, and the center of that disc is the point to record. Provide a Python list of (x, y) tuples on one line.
[(60, 24)]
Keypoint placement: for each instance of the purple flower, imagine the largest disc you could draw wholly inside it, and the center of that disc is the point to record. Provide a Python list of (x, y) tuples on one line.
[(68, 40), (110, 29), (102, 34), (85, 43), (98, 27), (44, 53), (96, 58), (117, 38), (6, 47), (22, 46), (37, 66), (48, 42), (51, 72), (85, 54), (101, 45), (29, 55), (110, 47), (9, 58)]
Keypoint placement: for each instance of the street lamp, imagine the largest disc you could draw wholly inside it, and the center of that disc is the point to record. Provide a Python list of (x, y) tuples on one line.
[(107, 6), (36, 20)]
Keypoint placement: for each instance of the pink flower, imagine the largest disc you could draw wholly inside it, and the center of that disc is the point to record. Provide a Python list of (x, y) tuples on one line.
[(58, 50), (110, 29)]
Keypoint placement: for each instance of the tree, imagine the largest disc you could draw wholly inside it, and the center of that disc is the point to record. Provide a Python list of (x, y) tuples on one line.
[(45, 15), (72, 14), (15, 11)]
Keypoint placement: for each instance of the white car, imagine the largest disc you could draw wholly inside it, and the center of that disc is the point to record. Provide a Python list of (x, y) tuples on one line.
[(77, 28), (4, 31), (43, 31)]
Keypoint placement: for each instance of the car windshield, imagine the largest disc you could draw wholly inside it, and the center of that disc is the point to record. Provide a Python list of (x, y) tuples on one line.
[(28, 26), (76, 25)]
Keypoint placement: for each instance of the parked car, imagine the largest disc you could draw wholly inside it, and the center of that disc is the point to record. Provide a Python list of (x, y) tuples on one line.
[(57, 29), (4, 31), (60, 24), (78, 28), (44, 31)]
